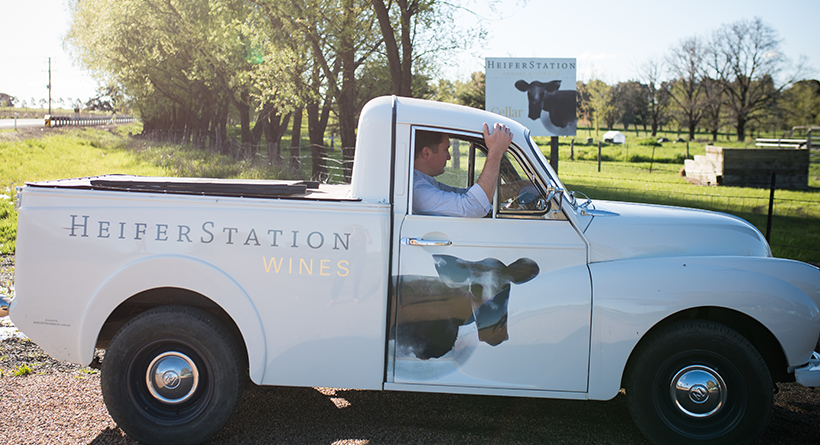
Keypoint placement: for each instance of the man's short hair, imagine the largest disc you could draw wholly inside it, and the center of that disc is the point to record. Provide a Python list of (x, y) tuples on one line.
[(430, 139)]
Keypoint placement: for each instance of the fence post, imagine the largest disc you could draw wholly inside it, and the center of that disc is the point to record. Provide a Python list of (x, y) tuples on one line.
[(572, 150), (599, 156), (771, 208), (554, 153)]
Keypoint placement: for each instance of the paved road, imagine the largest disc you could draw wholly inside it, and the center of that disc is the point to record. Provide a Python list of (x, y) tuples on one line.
[(7, 124)]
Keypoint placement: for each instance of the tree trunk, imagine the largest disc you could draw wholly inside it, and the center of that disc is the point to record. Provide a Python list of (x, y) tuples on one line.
[(400, 65), (295, 142), (741, 129), (316, 133), (390, 45), (273, 135), (406, 50), (244, 108), (347, 100)]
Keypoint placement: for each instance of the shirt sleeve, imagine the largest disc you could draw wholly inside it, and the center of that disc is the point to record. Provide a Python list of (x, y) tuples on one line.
[(431, 197)]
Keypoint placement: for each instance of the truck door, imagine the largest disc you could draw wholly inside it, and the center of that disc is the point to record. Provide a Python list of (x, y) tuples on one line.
[(497, 302)]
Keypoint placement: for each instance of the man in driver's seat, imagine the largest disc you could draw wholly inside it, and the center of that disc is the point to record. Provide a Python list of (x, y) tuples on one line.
[(430, 197)]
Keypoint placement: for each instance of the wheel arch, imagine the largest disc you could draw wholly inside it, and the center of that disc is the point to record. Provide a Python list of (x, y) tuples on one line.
[(173, 280), (751, 329)]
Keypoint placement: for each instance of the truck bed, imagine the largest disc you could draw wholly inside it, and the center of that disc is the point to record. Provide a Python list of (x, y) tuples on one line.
[(247, 188)]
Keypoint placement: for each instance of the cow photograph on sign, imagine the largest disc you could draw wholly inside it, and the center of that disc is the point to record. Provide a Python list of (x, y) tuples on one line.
[(538, 93), (553, 107)]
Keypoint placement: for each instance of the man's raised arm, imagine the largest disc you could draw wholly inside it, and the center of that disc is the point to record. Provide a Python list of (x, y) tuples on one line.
[(497, 143)]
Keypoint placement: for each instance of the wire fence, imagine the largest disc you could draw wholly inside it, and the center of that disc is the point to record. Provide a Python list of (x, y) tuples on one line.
[(281, 160)]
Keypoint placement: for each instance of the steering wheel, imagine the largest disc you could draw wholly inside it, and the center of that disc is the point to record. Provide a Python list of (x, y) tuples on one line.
[(529, 198)]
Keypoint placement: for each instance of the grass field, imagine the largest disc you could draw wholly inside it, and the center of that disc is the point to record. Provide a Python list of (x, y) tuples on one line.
[(629, 172)]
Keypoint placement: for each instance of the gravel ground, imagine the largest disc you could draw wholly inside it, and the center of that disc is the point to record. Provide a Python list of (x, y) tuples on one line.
[(60, 403)]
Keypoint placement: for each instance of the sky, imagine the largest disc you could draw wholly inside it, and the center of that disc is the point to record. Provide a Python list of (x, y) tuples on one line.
[(608, 39)]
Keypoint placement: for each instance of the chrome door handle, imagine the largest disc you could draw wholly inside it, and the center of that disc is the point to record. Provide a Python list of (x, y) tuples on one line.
[(424, 242)]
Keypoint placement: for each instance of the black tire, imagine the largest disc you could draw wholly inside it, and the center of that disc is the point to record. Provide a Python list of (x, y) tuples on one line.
[(176, 405), (699, 382)]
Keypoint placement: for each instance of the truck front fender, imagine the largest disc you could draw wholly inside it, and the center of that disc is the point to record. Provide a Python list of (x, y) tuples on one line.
[(781, 295), (181, 272)]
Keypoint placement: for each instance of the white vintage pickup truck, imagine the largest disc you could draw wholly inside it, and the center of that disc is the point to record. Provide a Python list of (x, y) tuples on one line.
[(192, 286)]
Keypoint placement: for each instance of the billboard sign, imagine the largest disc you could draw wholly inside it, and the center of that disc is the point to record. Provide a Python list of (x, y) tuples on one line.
[(538, 93)]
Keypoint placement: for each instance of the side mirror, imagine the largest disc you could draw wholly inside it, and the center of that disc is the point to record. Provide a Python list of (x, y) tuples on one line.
[(552, 192)]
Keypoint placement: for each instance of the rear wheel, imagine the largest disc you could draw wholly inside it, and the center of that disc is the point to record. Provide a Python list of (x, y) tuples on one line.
[(699, 382), (172, 375)]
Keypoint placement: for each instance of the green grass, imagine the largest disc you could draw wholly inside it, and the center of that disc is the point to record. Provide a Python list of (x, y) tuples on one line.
[(22, 370), (70, 154)]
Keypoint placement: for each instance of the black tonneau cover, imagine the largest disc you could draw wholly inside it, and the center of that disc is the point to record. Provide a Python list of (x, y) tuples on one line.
[(251, 188)]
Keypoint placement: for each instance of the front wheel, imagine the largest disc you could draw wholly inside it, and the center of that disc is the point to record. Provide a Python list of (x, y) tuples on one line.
[(173, 374), (699, 382)]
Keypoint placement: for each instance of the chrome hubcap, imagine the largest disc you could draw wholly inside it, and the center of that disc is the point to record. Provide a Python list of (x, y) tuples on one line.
[(698, 391), (172, 377)]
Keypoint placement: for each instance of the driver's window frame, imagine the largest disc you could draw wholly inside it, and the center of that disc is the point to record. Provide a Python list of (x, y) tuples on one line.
[(476, 141)]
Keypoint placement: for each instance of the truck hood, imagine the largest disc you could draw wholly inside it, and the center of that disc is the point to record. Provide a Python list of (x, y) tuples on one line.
[(647, 231)]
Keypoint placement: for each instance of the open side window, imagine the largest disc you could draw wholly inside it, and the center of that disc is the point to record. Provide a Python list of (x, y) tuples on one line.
[(521, 193)]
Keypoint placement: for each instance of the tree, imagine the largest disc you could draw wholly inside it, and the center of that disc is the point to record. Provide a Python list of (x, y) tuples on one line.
[(108, 99), (657, 93), (630, 102), (7, 100), (746, 59), (407, 24), (472, 93), (712, 110), (182, 62), (600, 103), (399, 55), (686, 62), (800, 104), (583, 107), (338, 40)]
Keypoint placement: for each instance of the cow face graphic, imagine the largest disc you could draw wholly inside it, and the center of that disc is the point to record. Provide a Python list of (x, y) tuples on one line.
[(433, 312), (554, 107)]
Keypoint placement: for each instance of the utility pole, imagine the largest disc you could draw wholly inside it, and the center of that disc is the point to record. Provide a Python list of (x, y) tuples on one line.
[(49, 86)]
